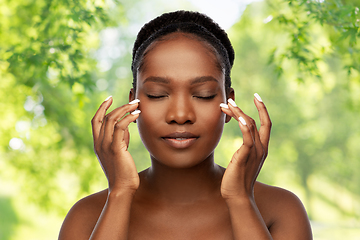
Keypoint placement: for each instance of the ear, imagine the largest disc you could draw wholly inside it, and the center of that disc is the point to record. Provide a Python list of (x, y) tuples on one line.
[(231, 95), (131, 94), (132, 97)]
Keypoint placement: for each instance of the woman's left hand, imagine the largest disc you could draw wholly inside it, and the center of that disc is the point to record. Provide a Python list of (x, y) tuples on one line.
[(240, 176)]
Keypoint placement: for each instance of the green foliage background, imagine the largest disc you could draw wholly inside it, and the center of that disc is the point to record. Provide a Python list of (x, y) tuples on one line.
[(59, 59)]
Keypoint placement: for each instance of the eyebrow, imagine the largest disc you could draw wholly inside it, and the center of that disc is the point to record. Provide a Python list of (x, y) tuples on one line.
[(157, 80), (203, 79), (197, 80)]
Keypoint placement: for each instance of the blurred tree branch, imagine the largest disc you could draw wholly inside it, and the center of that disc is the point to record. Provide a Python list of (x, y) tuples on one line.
[(297, 19)]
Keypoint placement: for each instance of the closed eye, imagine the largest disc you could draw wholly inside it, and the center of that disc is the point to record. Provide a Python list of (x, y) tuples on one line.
[(206, 97), (155, 96)]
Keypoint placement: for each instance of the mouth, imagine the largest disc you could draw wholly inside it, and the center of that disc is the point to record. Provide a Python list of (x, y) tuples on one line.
[(180, 140)]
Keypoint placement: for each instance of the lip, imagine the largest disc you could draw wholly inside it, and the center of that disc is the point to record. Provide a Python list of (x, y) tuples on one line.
[(180, 140)]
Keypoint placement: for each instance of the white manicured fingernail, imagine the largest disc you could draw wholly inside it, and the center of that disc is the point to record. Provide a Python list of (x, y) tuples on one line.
[(134, 101), (258, 97), (224, 105), (232, 102), (108, 98), (136, 112), (242, 120)]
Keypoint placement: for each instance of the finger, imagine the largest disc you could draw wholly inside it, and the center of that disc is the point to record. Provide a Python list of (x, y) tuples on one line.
[(248, 138), (126, 137), (251, 151), (256, 136), (265, 128), (241, 156), (112, 118), (258, 151), (102, 133), (97, 120), (246, 126), (121, 132), (225, 109)]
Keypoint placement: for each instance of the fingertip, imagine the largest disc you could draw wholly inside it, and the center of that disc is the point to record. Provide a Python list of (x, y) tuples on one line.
[(257, 96), (232, 102), (108, 98), (260, 105), (108, 101), (135, 101), (136, 112), (224, 105)]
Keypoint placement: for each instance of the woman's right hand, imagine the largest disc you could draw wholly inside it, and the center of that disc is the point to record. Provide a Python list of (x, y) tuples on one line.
[(111, 141)]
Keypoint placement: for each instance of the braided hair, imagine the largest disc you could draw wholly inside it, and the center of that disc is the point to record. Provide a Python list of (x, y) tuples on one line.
[(199, 25)]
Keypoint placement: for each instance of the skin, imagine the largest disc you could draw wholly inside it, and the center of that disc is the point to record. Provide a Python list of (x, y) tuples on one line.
[(184, 194)]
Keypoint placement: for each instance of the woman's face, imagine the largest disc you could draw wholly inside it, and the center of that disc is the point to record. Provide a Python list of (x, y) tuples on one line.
[(180, 88)]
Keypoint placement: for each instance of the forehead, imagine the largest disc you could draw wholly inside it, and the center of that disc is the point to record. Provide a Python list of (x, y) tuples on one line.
[(180, 56)]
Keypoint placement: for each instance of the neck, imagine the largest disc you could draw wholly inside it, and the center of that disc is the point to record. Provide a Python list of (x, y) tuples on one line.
[(184, 185)]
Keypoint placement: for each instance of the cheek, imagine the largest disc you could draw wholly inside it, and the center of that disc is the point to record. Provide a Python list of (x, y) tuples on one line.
[(211, 114), (150, 118), (150, 113), (212, 120)]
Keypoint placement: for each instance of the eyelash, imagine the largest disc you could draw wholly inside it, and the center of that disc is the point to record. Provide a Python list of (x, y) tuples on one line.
[(207, 97), (200, 97), (155, 97)]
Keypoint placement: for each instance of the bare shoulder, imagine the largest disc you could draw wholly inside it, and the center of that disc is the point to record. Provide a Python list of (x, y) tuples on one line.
[(275, 197), (82, 217), (283, 212)]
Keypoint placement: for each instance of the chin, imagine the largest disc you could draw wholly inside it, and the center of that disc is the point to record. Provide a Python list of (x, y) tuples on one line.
[(181, 160)]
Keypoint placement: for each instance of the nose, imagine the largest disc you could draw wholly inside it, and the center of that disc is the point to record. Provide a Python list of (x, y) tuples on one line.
[(180, 111)]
